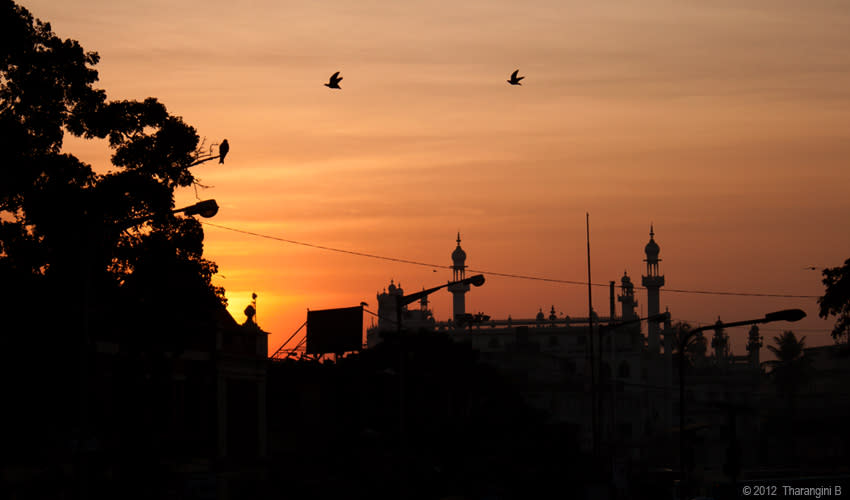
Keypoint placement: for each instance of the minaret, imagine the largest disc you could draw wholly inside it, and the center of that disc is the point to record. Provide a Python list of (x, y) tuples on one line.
[(627, 297), (720, 343), (754, 343), (459, 273), (653, 281)]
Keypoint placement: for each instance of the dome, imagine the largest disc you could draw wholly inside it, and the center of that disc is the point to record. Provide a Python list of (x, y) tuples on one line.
[(626, 281), (458, 256), (652, 249), (391, 288)]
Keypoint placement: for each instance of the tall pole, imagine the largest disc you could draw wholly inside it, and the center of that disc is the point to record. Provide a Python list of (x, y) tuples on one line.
[(401, 410), (683, 340), (594, 416)]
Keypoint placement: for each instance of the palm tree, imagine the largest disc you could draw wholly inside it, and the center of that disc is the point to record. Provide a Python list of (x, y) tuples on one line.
[(696, 345), (791, 368), (789, 372), (679, 328)]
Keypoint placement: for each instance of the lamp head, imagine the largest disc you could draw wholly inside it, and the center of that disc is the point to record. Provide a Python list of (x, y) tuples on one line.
[(476, 280), (206, 209), (785, 315)]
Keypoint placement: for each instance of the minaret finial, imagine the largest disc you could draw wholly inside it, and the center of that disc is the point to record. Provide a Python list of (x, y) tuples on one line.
[(458, 238), (651, 230)]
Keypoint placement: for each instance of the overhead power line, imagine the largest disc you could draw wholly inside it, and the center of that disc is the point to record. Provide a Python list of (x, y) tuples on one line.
[(322, 247), (494, 273)]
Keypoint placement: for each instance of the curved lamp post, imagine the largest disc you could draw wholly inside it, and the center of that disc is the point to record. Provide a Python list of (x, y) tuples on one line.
[(783, 315), (205, 208), (402, 301)]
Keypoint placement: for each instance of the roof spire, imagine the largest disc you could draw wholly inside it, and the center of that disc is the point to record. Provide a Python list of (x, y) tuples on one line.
[(651, 231), (458, 238)]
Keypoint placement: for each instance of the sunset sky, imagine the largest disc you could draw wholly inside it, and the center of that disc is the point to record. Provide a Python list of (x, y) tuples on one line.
[(726, 124)]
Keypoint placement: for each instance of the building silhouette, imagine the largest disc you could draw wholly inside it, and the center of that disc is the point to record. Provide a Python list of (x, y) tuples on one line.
[(549, 357)]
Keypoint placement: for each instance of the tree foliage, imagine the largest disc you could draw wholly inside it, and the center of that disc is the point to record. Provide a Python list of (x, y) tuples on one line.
[(696, 345), (74, 238), (836, 299), (791, 368)]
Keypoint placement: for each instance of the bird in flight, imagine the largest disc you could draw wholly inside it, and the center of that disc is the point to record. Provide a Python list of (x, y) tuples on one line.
[(333, 83), (222, 150), (515, 79)]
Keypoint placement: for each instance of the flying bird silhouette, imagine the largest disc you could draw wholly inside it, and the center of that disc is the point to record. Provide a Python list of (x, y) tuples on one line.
[(333, 83), (515, 79), (222, 150)]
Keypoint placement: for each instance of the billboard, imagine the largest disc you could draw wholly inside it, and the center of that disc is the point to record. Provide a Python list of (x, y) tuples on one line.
[(335, 330)]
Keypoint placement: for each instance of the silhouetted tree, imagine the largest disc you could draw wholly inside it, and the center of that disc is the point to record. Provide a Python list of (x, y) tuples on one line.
[(76, 239), (836, 299), (696, 345), (680, 328), (790, 371), (85, 255), (791, 368)]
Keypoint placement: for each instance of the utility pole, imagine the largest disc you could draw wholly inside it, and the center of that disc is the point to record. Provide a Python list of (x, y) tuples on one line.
[(594, 413)]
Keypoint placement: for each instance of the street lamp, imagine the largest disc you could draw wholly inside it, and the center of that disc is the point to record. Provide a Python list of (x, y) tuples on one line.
[(402, 301), (783, 315), (206, 209)]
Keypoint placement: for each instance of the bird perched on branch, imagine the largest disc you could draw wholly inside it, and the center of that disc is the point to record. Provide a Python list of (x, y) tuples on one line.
[(222, 150), (515, 79), (333, 83)]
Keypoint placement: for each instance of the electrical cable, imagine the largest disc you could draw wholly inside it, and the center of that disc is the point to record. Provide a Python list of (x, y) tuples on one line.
[(493, 273)]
